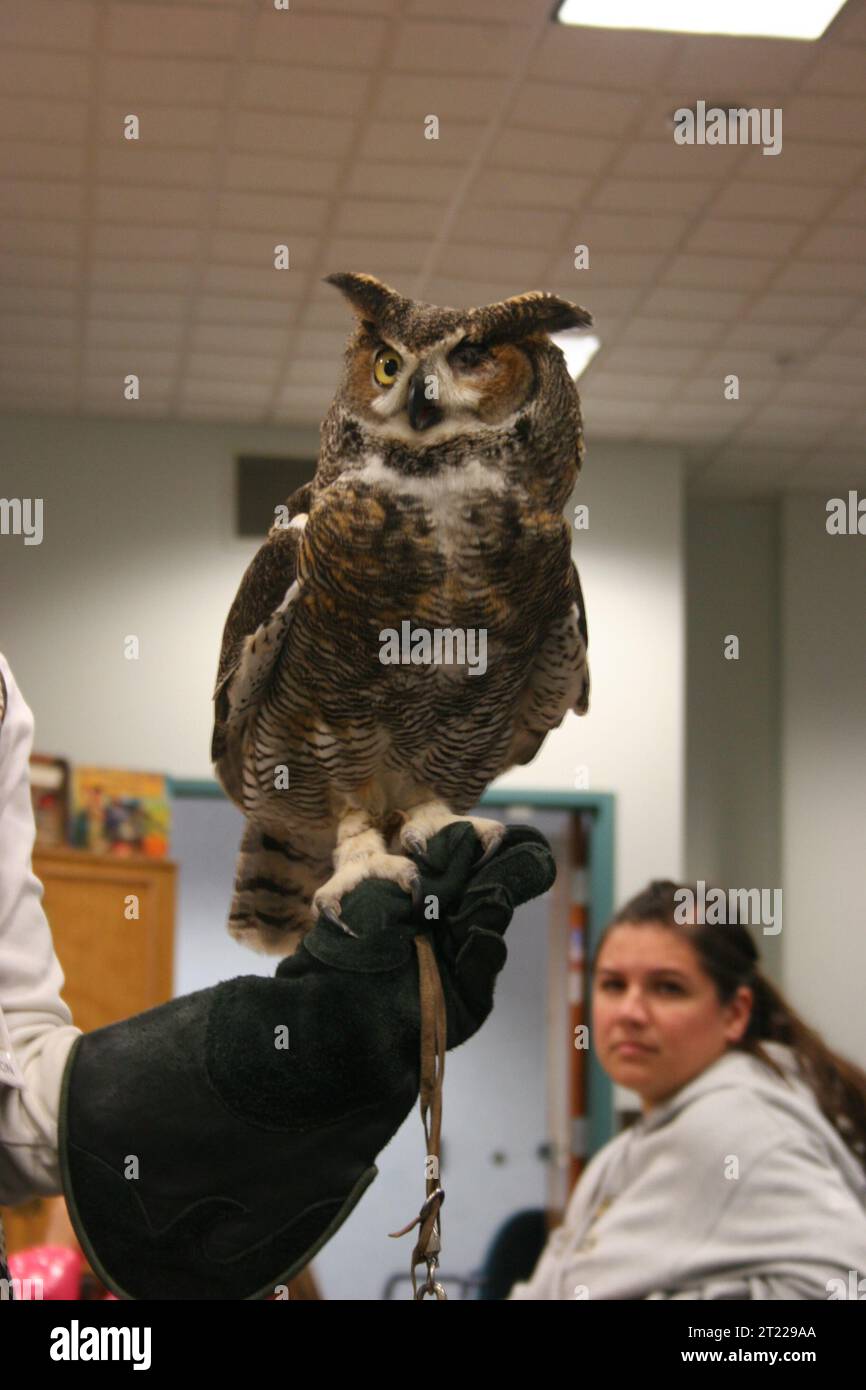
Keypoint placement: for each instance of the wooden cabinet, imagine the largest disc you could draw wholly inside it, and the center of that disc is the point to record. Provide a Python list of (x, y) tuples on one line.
[(112, 920), (113, 925)]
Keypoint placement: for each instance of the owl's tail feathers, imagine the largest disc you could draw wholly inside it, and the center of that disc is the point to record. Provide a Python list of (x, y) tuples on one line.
[(274, 883)]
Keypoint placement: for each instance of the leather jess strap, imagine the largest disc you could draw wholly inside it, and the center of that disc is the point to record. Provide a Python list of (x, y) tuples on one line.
[(433, 1041)]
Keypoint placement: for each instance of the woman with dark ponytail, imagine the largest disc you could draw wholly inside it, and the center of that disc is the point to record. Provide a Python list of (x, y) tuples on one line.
[(745, 1175)]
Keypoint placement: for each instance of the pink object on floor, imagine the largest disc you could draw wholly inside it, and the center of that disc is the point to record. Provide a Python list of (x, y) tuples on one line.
[(56, 1266)]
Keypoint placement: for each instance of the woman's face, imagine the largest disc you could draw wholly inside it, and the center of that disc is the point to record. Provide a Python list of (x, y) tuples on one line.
[(657, 1020)]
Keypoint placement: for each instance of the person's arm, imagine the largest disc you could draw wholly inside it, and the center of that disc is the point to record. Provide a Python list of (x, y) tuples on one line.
[(36, 1029), (794, 1230), (211, 1146)]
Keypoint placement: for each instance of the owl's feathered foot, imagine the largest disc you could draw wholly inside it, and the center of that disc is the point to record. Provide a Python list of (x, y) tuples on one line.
[(361, 853), (427, 819), (354, 869)]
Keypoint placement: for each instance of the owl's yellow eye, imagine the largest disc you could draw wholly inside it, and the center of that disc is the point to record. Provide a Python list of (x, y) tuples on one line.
[(386, 365)]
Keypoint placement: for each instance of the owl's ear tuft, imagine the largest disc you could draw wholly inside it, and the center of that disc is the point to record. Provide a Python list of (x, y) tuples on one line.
[(368, 296), (533, 312)]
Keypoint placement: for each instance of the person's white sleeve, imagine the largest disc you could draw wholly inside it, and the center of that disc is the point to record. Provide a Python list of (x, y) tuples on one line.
[(36, 1029)]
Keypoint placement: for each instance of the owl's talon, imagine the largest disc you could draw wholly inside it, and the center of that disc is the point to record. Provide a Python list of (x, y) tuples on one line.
[(412, 840), (490, 850), (416, 893), (331, 916)]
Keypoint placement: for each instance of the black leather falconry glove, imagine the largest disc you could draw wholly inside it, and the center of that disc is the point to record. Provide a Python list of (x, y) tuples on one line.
[(211, 1146)]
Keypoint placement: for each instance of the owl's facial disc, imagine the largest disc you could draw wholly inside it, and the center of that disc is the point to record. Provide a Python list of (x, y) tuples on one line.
[(459, 386)]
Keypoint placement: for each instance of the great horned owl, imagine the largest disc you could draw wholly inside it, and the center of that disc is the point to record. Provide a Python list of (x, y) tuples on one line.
[(446, 460)]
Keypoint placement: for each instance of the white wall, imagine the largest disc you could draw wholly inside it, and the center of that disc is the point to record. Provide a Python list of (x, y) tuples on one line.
[(631, 564), (138, 522), (138, 539), (776, 749), (733, 742), (824, 772)]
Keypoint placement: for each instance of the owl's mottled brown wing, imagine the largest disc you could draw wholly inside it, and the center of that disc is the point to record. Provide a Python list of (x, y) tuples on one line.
[(581, 705), (257, 623), (558, 680)]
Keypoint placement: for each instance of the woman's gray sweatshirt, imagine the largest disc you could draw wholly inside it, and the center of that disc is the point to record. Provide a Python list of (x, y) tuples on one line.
[(735, 1187)]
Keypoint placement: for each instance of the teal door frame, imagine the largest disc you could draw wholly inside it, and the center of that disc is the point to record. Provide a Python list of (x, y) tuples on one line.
[(600, 1117), (600, 1126)]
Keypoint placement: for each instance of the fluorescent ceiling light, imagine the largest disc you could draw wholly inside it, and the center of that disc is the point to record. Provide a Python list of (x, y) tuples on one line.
[(775, 19), (579, 349)]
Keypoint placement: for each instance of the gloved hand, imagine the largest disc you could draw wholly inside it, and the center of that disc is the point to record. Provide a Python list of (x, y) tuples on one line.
[(211, 1146)]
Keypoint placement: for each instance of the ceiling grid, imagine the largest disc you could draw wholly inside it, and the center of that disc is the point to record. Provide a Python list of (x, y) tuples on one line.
[(307, 127)]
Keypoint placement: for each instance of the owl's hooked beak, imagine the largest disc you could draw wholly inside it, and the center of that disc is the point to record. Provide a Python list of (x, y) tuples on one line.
[(422, 412)]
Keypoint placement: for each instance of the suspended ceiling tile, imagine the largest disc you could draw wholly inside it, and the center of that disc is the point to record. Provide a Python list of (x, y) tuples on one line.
[(148, 206), (27, 72), (805, 161), (845, 243), (536, 150), (252, 172), (820, 276), (181, 81), (746, 236), (800, 308), (602, 57), (269, 212), (123, 336), (169, 243), (720, 68), (644, 159), (173, 29), (837, 69), (795, 202), (297, 136), (713, 272), (669, 196), (122, 274), (527, 187), (561, 106), (135, 163), (478, 50), (317, 39), (452, 99), (73, 25), (695, 304), (320, 90)]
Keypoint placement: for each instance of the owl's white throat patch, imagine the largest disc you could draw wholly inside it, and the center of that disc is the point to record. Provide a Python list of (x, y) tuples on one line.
[(471, 476), (440, 494)]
